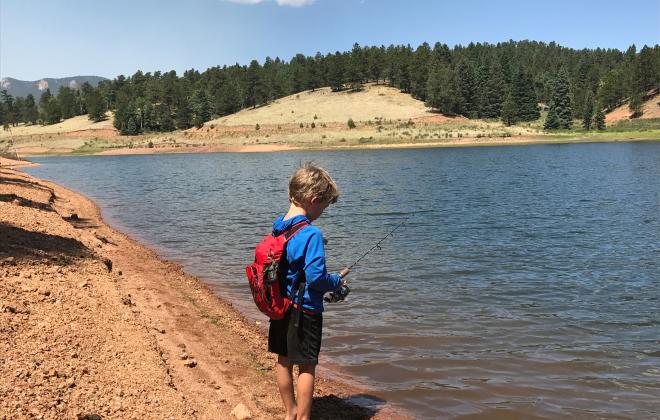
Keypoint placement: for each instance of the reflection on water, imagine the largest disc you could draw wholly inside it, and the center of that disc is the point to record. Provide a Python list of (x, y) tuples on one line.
[(525, 285)]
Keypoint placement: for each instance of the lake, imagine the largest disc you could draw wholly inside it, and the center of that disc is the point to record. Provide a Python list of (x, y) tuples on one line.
[(525, 282)]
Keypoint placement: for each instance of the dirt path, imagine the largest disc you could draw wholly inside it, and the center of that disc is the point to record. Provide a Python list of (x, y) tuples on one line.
[(94, 324)]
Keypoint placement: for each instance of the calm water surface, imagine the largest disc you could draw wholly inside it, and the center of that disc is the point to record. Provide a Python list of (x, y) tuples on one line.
[(527, 283)]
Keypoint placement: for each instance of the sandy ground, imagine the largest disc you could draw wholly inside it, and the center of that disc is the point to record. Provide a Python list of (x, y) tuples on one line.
[(650, 109), (94, 325)]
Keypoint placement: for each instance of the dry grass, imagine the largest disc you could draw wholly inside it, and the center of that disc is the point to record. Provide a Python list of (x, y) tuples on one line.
[(374, 101), (79, 123)]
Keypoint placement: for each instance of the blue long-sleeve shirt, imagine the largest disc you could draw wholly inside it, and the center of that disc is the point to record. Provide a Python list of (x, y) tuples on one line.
[(305, 254)]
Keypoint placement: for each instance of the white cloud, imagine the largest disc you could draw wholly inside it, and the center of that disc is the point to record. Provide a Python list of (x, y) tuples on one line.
[(292, 3), (73, 84), (42, 85)]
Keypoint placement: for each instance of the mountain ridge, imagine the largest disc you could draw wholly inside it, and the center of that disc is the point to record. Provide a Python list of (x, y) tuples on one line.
[(17, 87)]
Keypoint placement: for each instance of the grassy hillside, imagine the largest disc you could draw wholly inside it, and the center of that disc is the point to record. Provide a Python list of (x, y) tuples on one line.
[(72, 125), (374, 101)]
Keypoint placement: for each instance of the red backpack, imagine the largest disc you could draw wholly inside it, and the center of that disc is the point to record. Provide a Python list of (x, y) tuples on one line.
[(266, 275)]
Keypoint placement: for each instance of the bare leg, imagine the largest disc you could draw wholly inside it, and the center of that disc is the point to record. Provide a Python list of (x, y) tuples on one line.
[(306, 375), (284, 375)]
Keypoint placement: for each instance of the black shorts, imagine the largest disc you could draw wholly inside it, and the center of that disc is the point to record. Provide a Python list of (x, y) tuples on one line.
[(302, 345)]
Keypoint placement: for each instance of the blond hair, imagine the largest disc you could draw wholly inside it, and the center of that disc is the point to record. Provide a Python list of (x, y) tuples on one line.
[(309, 182)]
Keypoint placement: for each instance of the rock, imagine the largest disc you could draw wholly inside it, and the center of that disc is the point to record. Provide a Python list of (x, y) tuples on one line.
[(126, 300), (191, 363), (8, 261), (7, 308), (183, 355), (159, 329), (70, 383), (83, 284), (107, 262), (90, 416), (241, 412)]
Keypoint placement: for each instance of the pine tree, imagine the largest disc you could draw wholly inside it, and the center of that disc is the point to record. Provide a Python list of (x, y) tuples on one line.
[(635, 105), (11, 116), (442, 90), (599, 118), (551, 120), (468, 89), (183, 114), (200, 107), (67, 102), (30, 112), (509, 110), (492, 92), (525, 97), (95, 106), (355, 71), (336, 77), (588, 111), (255, 85), (561, 100)]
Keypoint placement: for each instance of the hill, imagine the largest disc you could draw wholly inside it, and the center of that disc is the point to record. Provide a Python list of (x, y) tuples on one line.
[(650, 109), (324, 106), (22, 88)]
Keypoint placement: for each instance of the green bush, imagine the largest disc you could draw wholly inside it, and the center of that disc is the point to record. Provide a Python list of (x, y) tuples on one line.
[(351, 123)]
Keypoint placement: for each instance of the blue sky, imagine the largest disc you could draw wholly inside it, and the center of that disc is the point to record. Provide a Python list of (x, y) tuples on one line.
[(58, 38)]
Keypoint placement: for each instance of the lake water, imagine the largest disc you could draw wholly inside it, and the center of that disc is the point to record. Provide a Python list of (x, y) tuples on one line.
[(526, 284)]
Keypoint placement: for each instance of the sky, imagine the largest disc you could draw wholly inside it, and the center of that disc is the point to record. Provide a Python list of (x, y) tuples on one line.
[(61, 38)]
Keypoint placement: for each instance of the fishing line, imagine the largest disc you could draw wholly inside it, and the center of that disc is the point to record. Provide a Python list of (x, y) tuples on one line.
[(377, 245)]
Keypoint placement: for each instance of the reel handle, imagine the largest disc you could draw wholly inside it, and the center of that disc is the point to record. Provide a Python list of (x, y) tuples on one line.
[(344, 272)]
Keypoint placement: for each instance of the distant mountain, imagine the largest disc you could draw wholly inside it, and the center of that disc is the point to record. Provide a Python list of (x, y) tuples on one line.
[(22, 88)]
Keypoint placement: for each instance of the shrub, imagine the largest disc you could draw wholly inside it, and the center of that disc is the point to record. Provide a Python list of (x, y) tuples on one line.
[(313, 125), (302, 125), (315, 117), (351, 123), (151, 144), (257, 127)]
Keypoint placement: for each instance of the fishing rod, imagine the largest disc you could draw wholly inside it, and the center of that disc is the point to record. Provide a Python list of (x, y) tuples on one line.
[(344, 290)]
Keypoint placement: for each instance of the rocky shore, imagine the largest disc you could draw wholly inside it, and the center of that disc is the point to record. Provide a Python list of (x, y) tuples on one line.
[(94, 325)]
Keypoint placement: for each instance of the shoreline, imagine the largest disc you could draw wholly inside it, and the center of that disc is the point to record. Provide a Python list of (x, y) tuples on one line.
[(178, 337), (362, 144)]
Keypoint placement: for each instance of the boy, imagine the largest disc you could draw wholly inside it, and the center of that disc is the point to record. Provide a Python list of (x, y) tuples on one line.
[(311, 191)]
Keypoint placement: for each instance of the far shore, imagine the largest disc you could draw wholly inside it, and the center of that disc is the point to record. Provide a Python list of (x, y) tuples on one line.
[(606, 137)]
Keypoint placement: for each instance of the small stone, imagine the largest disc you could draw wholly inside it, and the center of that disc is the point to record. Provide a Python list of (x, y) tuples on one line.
[(8, 261), (241, 412), (126, 300), (74, 355), (70, 383), (183, 355), (191, 363), (108, 263), (160, 330), (83, 284), (90, 416), (7, 308)]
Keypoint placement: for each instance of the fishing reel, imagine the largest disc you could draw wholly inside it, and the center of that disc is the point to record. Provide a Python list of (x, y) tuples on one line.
[(342, 292)]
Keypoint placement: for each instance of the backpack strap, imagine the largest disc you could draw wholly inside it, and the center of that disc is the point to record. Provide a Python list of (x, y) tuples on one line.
[(289, 233), (301, 283)]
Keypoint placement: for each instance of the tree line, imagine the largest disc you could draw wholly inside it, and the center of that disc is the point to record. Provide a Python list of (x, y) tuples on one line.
[(504, 81)]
